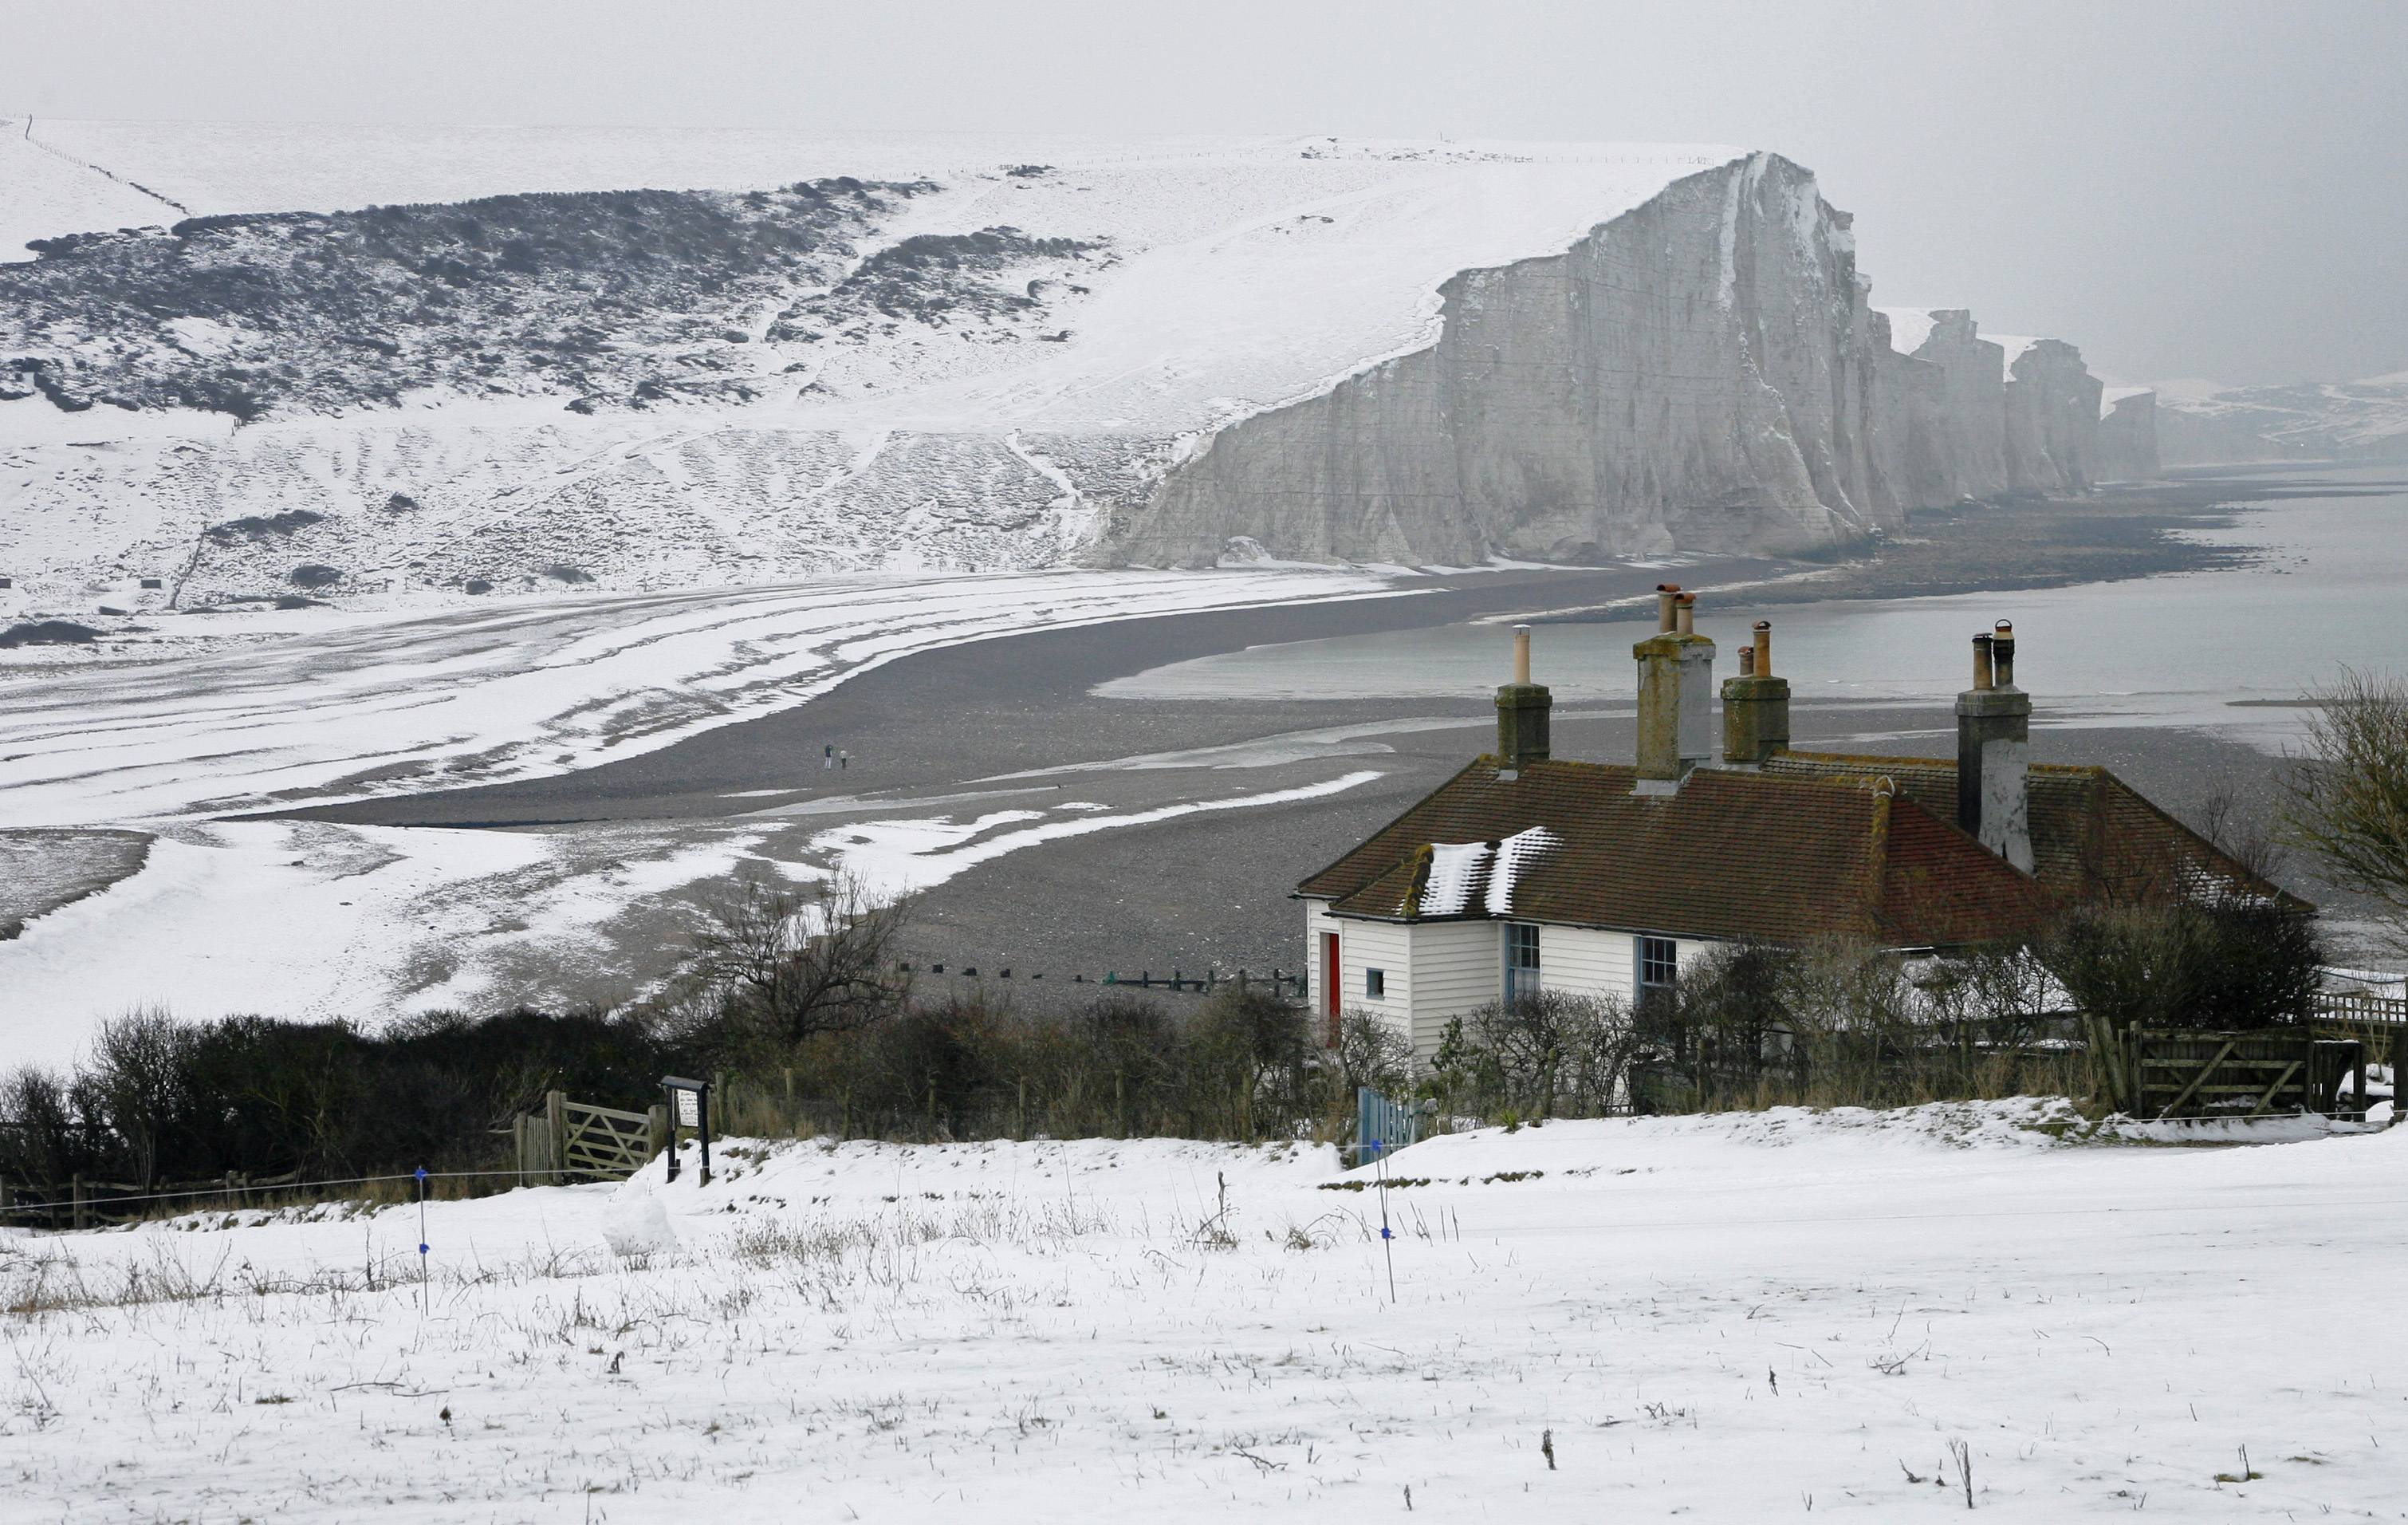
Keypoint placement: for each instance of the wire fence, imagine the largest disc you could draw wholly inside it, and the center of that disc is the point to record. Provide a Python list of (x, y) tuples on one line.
[(96, 1203), (1179, 982)]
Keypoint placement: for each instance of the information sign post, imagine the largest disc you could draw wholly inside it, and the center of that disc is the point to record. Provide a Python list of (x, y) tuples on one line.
[(689, 1107)]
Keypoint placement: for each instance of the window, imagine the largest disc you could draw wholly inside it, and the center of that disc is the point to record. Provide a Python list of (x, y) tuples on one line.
[(1659, 964), (1521, 961), (1375, 984)]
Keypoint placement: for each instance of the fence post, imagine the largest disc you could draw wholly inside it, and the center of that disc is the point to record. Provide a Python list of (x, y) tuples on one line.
[(656, 1126), (555, 1114), (82, 1217)]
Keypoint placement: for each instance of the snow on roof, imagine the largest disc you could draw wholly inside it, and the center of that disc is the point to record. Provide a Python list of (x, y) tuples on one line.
[(1513, 854), (1236, 273), (1454, 872), (1909, 327)]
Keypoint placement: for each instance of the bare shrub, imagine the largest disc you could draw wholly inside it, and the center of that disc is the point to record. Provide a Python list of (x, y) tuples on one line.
[(1371, 1052), (1536, 1055), (779, 964), (2349, 794)]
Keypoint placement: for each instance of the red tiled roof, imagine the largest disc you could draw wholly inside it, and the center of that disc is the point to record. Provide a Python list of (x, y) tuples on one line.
[(1731, 854), (2094, 836)]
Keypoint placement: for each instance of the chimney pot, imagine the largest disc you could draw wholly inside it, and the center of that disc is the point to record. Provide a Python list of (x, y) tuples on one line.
[(2002, 650), (1684, 614), (1982, 668), (1747, 661), (1667, 594), (1764, 648), (1520, 653)]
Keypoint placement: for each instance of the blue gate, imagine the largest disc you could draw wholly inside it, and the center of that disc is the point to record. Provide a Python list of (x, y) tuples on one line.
[(1382, 1126)]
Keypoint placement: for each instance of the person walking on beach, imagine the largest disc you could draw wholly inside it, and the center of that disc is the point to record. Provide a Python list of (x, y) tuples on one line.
[(843, 761), (827, 755)]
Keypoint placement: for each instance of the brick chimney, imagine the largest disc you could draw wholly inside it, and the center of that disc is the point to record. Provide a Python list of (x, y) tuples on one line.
[(1755, 705), (1522, 710), (1994, 751), (1676, 694)]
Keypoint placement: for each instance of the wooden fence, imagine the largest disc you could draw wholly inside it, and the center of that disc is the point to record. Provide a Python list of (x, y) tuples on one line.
[(2359, 1008), (575, 1141), (2242, 1074)]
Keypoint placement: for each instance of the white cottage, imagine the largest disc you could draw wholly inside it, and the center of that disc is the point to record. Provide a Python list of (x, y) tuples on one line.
[(1526, 873)]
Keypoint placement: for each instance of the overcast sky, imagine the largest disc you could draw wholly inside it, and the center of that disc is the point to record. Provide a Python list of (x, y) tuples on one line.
[(2209, 188)]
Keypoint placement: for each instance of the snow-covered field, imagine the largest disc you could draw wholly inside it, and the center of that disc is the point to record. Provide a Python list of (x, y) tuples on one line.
[(316, 706), (1736, 1318)]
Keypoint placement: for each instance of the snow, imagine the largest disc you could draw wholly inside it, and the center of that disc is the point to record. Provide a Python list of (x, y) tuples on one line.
[(1909, 327), (2339, 419), (904, 857), (1723, 1316), (2108, 397), (1514, 854), (315, 919), (2014, 345), (372, 705), (1456, 867), (1248, 272)]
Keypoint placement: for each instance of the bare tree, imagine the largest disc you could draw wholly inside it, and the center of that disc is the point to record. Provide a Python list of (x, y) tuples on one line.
[(2238, 832), (2349, 794), (784, 964), (1371, 1051)]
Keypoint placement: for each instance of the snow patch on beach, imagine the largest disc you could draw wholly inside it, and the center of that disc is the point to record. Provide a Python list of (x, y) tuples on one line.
[(319, 919)]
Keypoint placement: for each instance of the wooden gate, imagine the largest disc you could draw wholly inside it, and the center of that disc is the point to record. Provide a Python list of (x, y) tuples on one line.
[(2242, 1074), (575, 1141)]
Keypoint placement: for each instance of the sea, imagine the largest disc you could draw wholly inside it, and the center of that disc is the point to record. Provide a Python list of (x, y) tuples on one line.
[(2235, 651)]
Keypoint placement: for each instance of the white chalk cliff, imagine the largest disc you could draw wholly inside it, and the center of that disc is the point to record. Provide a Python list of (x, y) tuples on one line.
[(852, 353)]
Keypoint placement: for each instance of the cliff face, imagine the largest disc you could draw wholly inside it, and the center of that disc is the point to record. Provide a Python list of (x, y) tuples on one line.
[(1701, 374), (1962, 429), (1696, 374), (2052, 420), (2128, 435)]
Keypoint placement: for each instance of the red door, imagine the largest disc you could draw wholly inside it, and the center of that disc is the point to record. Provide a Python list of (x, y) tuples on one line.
[(1330, 984)]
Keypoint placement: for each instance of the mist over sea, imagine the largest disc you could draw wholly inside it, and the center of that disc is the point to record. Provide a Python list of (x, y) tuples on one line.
[(2226, 651)]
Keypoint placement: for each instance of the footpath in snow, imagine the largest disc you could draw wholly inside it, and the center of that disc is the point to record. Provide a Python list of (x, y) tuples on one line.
[(1735, 1317)]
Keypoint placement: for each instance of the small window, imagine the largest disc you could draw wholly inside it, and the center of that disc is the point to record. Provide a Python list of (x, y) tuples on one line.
[(1659, 963), (1375, 984), (1521, 961)]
